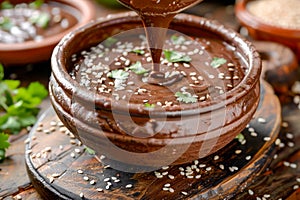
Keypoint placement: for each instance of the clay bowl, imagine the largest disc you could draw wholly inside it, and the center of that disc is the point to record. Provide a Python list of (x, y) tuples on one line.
[(260, 30), (96, 119), (80, 12)]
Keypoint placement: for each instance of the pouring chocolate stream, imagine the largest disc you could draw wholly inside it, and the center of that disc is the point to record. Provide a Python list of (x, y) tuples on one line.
[(157, 16)]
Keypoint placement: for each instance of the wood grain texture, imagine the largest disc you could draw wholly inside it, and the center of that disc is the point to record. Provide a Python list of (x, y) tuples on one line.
[(55, 156)]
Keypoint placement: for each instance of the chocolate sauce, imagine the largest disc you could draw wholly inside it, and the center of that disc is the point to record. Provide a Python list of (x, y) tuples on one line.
[(156, 16)]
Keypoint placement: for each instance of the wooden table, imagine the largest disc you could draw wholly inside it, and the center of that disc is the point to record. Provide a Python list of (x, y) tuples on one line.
[(281, 179)]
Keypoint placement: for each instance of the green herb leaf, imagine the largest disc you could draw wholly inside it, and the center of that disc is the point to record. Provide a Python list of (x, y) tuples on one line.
[(138, 68), (186, 97), (1, 72), (138, 51), (36, 4), (148, 105), (6, 24), (118, 74), (217, 62), (174, 56), (110, 41), (240, 137), (90, 151), (177, 39), (6, 5), (41, 20), (4, 144)]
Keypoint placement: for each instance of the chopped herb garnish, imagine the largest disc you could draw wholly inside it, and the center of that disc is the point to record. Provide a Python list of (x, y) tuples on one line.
[(240, 137), (41, 20), (175, 56), (138, 51), (110, 41), (90, 151), (177, 39), (148, 105), (138, 68), (4, 144), (118, 74), (5, 23), (186, 97), (217, 62), (6, 5), (36, 4)]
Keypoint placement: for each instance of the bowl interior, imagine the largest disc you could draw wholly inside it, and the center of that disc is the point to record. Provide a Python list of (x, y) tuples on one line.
[(77, 13)]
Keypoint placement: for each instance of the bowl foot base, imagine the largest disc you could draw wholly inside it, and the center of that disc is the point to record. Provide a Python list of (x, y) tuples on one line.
[(61, 168)]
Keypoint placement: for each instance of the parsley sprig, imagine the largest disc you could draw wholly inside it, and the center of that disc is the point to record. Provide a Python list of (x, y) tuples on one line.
[(138, 68), (18, 105), (186, 97), (175, 56), (217, 62), (4, 144)]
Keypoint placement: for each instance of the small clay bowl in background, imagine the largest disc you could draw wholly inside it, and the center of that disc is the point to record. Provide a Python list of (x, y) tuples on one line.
[(87, 114), (81, 12), (260, 30)]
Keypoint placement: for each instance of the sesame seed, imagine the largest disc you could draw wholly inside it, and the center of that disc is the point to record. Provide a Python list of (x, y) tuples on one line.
[(18, 197), (295, 187), (79, 171), (99, 189), (250, 192), (184, 193), (248, 157), (92, 182), (289, 136), (167, 185), (128, 186), (85, 178), (261, 120), (106, 179), (171, 176), (171, 190), (267, 139)]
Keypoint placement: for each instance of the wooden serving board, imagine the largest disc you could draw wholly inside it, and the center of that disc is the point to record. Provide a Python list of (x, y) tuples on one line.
[(60, 167)]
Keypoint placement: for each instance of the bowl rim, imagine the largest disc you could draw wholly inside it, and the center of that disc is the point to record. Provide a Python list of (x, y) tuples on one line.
[(70, 86), (248, 19), (87, 14)]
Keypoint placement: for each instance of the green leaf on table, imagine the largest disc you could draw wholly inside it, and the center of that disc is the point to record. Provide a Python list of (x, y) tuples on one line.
[(1, 72), (138, 68), (118, 74), (186, 97), (90, 151), (12, 84), (175, 56), (217, 62), (4, 144), (11, 125), (36, 89), (177, 39)]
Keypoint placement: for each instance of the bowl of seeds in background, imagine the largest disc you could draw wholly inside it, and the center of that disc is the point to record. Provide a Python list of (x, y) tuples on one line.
[(30, 29), (97, 89), (272, 20)]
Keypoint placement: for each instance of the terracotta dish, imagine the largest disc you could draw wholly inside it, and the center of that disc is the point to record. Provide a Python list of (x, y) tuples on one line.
[(260, 30), (35, 51), (96, 119)]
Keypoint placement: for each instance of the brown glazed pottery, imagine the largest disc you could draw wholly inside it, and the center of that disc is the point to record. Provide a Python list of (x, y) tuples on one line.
[(261, 31), (32, 51), (208, 126)]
